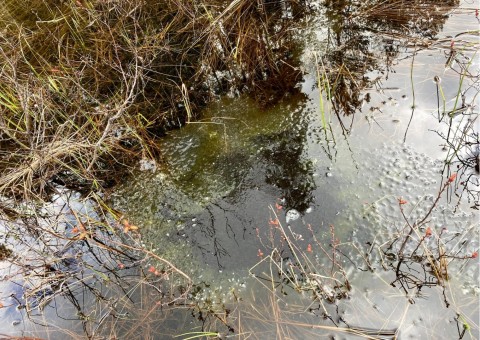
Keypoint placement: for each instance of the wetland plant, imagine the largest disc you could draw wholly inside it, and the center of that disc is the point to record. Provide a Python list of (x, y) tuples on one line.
[(295, 263), (88, 86), (85, 263), (419, 255)]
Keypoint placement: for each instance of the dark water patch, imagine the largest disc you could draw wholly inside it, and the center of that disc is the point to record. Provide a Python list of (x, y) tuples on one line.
[(288, 170), (229, 188)]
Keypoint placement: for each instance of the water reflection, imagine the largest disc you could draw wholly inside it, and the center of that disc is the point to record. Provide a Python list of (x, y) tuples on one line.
[(274, 168), (283, 158), (219, 235), (288, 169), (279, 161), (73, 268), (364, 40), (209, 211)]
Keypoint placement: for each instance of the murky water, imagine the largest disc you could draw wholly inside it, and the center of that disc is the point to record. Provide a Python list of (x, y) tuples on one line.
[(231, 173), (330, 178)]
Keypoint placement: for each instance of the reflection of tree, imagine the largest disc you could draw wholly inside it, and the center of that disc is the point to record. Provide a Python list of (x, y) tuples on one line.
[(84, 264), (286, 169), (364, 37), (415, 19), (218, 231), (214, 232), (261, 37)]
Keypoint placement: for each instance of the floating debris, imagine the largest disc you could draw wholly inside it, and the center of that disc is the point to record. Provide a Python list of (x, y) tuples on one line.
[(292, 215)]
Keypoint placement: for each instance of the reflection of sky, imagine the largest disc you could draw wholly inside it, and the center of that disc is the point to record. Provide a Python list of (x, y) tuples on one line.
[(387, 114), (374, 164), (14, 319), (221, 162)]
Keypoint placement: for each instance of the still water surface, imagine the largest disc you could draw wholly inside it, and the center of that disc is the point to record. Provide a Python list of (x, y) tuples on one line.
[(227, 176), (331, 172)]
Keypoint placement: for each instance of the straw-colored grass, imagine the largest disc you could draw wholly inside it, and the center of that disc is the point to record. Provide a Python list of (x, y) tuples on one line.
[(86, 85)]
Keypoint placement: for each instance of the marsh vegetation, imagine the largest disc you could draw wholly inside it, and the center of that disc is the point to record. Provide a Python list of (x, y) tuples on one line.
[(264, 169)]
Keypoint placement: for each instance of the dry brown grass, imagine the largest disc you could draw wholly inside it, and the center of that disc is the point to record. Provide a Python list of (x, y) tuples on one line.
[(86, 85)]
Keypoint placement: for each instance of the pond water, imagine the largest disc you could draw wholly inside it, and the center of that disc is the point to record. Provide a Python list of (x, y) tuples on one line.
[(269, 209), (228, 177)]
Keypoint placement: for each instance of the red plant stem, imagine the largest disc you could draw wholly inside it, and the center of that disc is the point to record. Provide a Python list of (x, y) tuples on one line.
[(417, 224)]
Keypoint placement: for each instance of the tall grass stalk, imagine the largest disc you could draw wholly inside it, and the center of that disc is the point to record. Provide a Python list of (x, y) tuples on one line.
[(460, 85), (320, 82)]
